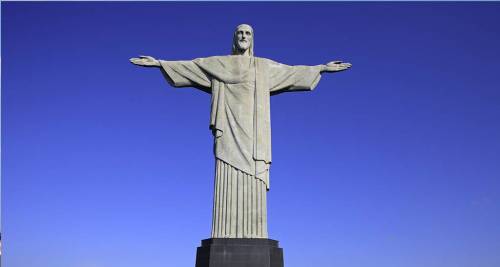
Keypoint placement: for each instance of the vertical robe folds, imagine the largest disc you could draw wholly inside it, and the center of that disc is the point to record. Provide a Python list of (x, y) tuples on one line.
[(241, 87)]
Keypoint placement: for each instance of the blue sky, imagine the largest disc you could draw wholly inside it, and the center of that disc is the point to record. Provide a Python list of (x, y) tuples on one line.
[(392, 163)]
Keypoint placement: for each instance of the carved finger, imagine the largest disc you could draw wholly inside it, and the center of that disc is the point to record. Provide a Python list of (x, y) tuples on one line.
[(138, 62), (336, 62)]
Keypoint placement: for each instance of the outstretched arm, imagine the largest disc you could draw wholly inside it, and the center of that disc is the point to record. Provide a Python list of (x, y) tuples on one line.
[(181, 73), (284, 78)]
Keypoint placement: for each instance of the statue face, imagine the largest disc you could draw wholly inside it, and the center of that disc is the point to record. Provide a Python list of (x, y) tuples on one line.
[(244, 36)]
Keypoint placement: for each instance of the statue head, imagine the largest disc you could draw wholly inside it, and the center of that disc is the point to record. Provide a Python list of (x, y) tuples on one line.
[(243, 40)]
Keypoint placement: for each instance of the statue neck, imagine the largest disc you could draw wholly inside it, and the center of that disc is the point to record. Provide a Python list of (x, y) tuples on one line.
[(243, 52)]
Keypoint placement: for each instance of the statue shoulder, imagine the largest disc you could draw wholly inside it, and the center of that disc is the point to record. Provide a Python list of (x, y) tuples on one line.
[(267, 61), (211, 60), (264, 60)]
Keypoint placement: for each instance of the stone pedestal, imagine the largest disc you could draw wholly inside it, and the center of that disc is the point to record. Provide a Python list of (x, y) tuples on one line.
[(239, 252)]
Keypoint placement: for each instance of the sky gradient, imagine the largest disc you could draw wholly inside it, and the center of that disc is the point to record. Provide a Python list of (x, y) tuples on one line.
[(393, 163)]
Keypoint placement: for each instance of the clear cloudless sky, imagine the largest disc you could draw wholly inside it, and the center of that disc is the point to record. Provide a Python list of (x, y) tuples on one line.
[(394, 163)]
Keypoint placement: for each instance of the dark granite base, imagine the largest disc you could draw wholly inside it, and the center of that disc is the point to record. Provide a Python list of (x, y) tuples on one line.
[(239, 252)]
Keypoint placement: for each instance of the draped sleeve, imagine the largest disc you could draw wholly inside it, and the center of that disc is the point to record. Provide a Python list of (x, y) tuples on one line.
[(186, 74), (285, 78)]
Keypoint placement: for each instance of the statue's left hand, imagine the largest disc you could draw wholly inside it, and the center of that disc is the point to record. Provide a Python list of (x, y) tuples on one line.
[(145, 61), (336, 66)]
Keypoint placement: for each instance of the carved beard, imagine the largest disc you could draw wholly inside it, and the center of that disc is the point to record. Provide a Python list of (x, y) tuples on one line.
[(243, 45)]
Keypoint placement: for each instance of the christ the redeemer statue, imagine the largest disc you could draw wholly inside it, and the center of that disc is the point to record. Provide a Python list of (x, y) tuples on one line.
[(241, 85)]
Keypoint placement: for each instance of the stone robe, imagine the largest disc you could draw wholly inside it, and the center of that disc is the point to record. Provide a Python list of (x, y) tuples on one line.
[(240, 112), (241, 87)]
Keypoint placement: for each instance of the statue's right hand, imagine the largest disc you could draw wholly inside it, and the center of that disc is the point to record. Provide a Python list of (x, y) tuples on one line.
[(145, 61)]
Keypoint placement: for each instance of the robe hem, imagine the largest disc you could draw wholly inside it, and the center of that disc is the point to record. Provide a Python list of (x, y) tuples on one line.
[(248, 173)]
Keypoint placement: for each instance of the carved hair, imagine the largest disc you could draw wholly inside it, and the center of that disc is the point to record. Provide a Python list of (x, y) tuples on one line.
[(235, 40)]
